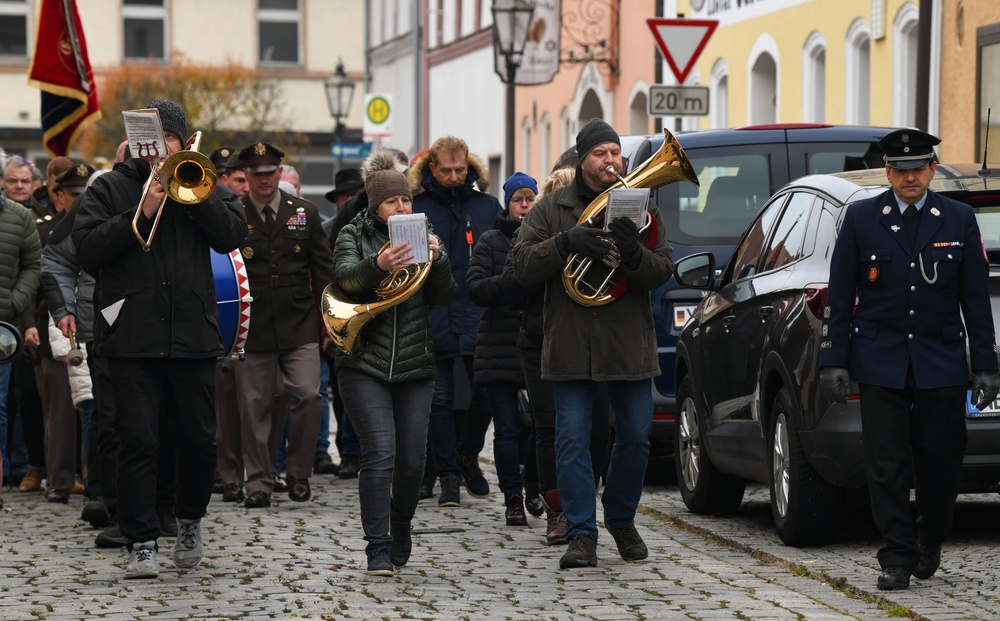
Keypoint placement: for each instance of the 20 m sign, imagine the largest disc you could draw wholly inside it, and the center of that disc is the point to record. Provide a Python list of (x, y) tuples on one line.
[(678, 100)]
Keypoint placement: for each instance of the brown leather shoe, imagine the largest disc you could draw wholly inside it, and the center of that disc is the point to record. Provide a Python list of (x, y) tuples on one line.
[(257, 500), (32, 481), (78, 487), (298, 489), (232, 492)]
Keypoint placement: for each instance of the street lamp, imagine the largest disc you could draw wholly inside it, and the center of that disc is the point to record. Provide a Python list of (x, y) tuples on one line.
[(339, 92), (511, 19)]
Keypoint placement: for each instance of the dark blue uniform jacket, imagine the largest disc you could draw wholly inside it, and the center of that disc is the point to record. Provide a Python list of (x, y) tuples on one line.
[(911, 302)]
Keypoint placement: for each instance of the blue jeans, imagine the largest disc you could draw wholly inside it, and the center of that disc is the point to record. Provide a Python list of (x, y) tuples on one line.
[(323, 440), (632, 404), (391, 419), (506, 436)]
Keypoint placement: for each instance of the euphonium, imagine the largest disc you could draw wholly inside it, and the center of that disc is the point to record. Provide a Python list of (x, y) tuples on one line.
[(344, 319), (588, 282), (187, 176)]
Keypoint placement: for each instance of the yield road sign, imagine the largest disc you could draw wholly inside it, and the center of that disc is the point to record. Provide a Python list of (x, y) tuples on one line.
[(681, 41), (678, 100)]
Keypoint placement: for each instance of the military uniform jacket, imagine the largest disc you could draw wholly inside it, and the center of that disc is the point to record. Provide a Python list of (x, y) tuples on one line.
[(911, 302), (288, 268)]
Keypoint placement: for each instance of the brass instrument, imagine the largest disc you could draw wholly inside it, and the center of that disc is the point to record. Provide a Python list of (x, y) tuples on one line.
[(587, 282), (345, 319), (187, 176)]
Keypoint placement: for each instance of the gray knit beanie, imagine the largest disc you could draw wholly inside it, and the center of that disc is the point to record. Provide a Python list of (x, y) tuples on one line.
[(171, 117), (382, 178)]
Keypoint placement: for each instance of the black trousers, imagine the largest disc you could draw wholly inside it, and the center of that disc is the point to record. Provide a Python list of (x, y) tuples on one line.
[(912, 438), (182, 391)]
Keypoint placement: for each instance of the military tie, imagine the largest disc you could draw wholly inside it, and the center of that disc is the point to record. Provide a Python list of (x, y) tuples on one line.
[(911, 222), (269, 218)]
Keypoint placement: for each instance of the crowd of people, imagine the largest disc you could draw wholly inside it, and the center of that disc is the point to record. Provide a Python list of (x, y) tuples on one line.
[(127, 390)]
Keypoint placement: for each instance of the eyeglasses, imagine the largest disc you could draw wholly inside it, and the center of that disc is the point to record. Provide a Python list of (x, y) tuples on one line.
[(527, 200)]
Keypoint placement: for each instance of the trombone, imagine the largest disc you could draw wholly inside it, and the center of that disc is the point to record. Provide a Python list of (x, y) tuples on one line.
[(188, 177)]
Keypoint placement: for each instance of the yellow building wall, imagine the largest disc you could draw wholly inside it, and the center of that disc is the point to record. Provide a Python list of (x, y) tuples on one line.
[(790, 28)]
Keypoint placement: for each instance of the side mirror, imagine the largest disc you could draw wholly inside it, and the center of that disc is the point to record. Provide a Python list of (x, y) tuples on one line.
[(11, 342), (696, 271)]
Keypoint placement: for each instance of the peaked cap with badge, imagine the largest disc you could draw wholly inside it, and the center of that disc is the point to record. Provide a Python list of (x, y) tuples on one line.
[(908, 148), (220, 158), (75, 179), (261, 157)]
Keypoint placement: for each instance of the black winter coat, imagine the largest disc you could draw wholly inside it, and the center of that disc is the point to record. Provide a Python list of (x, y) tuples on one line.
[(497, 357), (167, 297)]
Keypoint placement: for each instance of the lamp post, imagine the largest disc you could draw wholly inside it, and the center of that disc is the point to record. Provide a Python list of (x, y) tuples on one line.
[(339, 92), (511, 19)]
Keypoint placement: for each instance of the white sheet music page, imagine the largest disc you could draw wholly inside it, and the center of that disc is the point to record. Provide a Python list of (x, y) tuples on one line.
[(410, 228), (145, 133), (628, 203)]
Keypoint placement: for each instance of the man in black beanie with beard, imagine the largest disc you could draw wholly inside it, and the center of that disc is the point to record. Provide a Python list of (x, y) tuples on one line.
[(584, 346), (156, 324)]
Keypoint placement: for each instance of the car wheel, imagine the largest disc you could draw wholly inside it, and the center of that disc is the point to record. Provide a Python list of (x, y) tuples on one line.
[(805, 507), (704, 489)]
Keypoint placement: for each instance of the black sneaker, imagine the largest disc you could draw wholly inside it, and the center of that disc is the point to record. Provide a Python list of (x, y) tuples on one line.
[(402, 544), (349, 467), (378, 561), (111, 537), (629, 542), (451, 492), (475, 482), (582, 552), (95, 512), (168, 522)]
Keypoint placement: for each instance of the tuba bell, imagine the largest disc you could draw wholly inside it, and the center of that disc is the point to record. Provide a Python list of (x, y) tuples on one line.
[(345, 319), (188, 177), (588, 282)]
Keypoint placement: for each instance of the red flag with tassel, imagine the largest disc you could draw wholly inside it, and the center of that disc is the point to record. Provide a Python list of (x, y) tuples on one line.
[(61, 69)]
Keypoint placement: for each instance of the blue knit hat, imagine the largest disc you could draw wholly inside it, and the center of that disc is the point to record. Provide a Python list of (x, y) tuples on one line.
[(517, 181)]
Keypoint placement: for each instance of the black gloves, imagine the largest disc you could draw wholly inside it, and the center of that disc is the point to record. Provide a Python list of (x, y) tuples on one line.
[(583, 240), (836, 383), (987, 383), (626, 236)]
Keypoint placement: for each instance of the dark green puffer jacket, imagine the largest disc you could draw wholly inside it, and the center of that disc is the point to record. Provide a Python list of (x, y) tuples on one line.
[(397, 344), (20, 259)]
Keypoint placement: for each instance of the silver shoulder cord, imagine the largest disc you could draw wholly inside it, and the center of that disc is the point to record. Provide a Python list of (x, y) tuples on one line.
[(929, 281)]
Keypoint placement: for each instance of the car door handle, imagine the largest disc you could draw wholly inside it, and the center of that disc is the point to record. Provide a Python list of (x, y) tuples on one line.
[(729, 320), (765, 311)]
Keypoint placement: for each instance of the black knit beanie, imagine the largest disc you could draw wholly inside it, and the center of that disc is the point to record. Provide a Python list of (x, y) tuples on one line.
[(595, 132), (171, 117)]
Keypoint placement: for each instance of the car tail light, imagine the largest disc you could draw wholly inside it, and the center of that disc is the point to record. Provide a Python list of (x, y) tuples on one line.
[(663, 417), (816, 298)]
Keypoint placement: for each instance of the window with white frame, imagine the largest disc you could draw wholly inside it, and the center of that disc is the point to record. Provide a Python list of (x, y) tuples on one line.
[(904, 66), (278, 26), (857, 74), (814, 79), (14, 30), (145, 29)]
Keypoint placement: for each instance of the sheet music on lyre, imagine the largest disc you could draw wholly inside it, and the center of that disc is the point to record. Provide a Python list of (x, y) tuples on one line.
[(410, 228), (628, 203), (145, 134)]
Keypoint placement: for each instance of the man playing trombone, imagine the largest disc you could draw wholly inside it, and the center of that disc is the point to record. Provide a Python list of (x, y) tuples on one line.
[(157, 324)]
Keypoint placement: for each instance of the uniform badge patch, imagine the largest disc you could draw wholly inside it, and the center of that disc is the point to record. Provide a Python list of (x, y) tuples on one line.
[(886, 210), (297, 248), (825, 345), (826, 330), (826, 312), (872, 273)]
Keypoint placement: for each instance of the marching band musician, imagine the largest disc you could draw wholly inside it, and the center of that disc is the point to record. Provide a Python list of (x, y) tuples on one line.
[(157, 325), (585, 346), (388, 385)]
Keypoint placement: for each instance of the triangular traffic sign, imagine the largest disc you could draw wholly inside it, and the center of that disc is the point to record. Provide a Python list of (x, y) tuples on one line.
[(681, 41)]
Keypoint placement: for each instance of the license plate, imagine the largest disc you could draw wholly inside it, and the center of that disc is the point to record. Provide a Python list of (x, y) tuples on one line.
[(990, 411), (682, 312)]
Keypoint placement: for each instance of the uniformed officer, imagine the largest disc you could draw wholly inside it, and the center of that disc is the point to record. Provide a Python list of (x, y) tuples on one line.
[(915, 263), (288, 261), (220, 159)]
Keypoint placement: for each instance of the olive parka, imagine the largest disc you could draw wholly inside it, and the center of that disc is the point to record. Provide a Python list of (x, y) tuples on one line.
[(616, 341), (397, 344)]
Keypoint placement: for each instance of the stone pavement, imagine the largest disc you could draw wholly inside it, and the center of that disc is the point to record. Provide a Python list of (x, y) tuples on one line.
[(306, 561)]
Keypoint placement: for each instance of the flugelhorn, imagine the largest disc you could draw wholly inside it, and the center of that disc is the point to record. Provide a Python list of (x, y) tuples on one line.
[(188, 177), (588, 282), (345, 319)]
